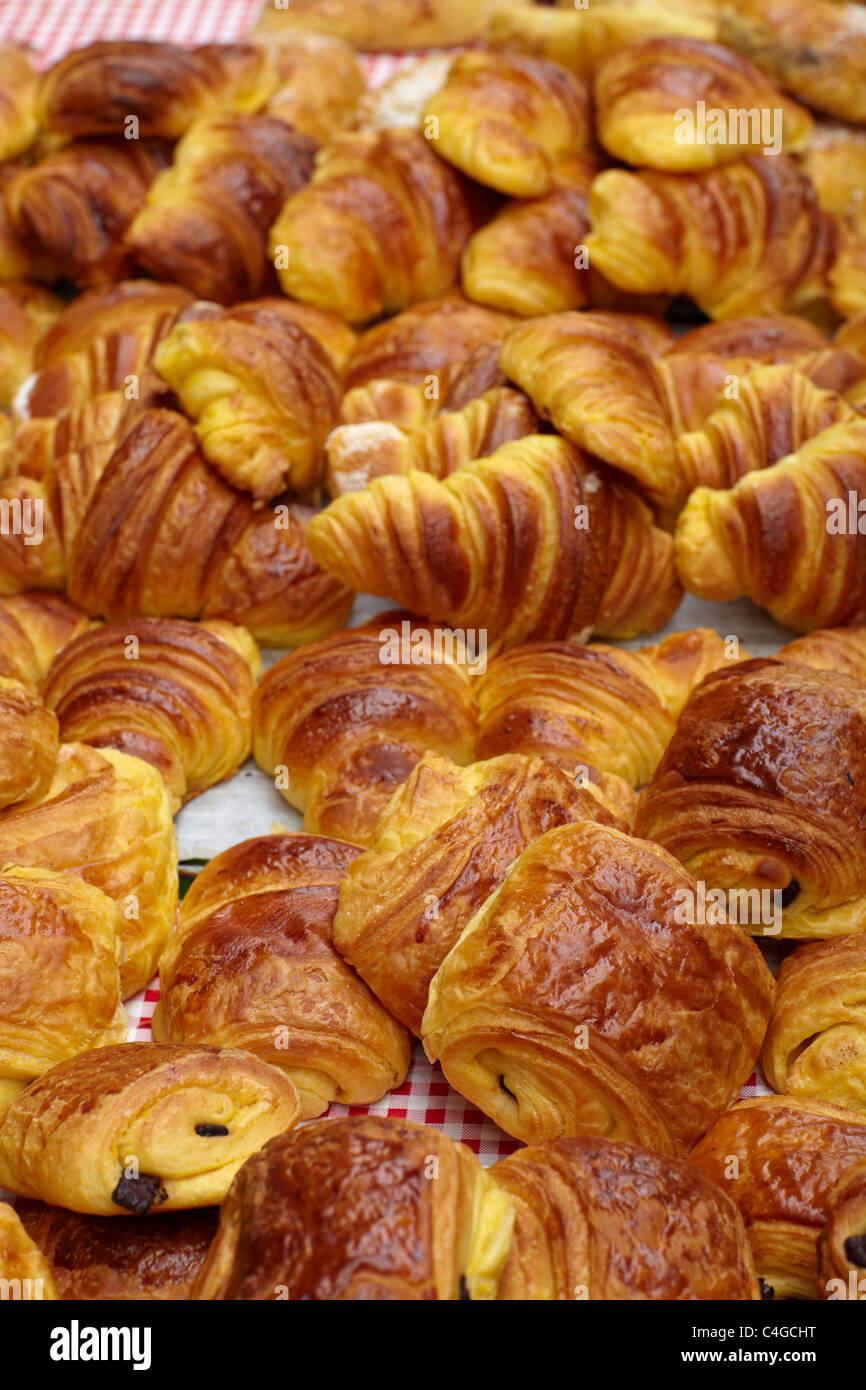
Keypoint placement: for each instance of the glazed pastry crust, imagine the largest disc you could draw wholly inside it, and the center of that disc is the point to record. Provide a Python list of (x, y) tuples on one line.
[(117, 1130), (28, 743), (21, 1259), (253, 966), (399, 1212), (611, 1222), (442, 846), (790, 1155), (841, 1253), (577, 1001)]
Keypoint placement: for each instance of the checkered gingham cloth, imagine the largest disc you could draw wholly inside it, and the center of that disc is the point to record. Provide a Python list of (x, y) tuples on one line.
[(50, 28)]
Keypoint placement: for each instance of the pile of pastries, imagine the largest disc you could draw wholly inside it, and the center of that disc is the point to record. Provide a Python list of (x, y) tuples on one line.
[(268, 340)]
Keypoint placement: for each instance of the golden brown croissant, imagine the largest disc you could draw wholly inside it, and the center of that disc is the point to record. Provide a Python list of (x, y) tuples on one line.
[(381, 225), (841, 649), (746, 237), (19, 125), (24, 1271), (208, 553), (835, 160), (392, 25), (59, 949), (99, 89), (31, 551), (356, 454), (33, 628), (206, 218), (142, 1126), (842, 1245), (507, 120), (253, 966), (18, 260), (25, 314), (263, 392), (139, 1258), (528, 543), (176, 694), (594, 706), (74, 206), (364, 1208), (788, 536), (813, 47), (594, 376), (682, 104), (761, 795), (28, 743), (443, 844), (775, 412), (582, 1231), (779, 1160), (815, 1047), (579, 39), (105, 817), (343, 722), (580, 1000), (319, 81), (847, 276)]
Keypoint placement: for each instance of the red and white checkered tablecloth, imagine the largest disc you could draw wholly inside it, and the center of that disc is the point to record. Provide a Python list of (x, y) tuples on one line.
[(50, 28)]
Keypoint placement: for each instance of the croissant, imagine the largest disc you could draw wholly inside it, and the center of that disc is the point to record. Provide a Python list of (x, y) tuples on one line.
[(841, 1247), (749, 236), (779, 1160), (28, 743), (208, 553), (31, 551), (105, 817), (98, 89), (206, 218), (253, 966), (788, 536), (760, 794), (683, 104), (175, 694), (507, 120), (141, 1126), (775, 412), (815, 48), (319, 82), (381, 225), (815, 1047), (579, 1000), (594, 706), (363, 1208), (18, 85), (392, 25), (97, 1257), (835, 160), (24, 1272), (444, 843), (25, 312), (18, 260), (528, 543), (60, 995), (611, 1222), (342, 723), (841, 649), (33, 628), (847, 276), (263, 392), (578, 40), (594, 376), (74, 206), (356, 454)]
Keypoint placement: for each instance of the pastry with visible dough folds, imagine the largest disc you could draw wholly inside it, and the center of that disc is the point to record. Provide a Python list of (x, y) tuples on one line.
[(23, 1268)]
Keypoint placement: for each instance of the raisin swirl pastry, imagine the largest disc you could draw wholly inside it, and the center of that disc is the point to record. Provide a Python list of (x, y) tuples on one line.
[(579, 1000), (607, 1221), (139, 1258), (815, 1048), (253, 966), (363, 1208), (507, 120), (842, 1245), (141, 1127), (341, 728), (761, 795), (444, 843), (21, 1260), (176, 694), (780, 1159)]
